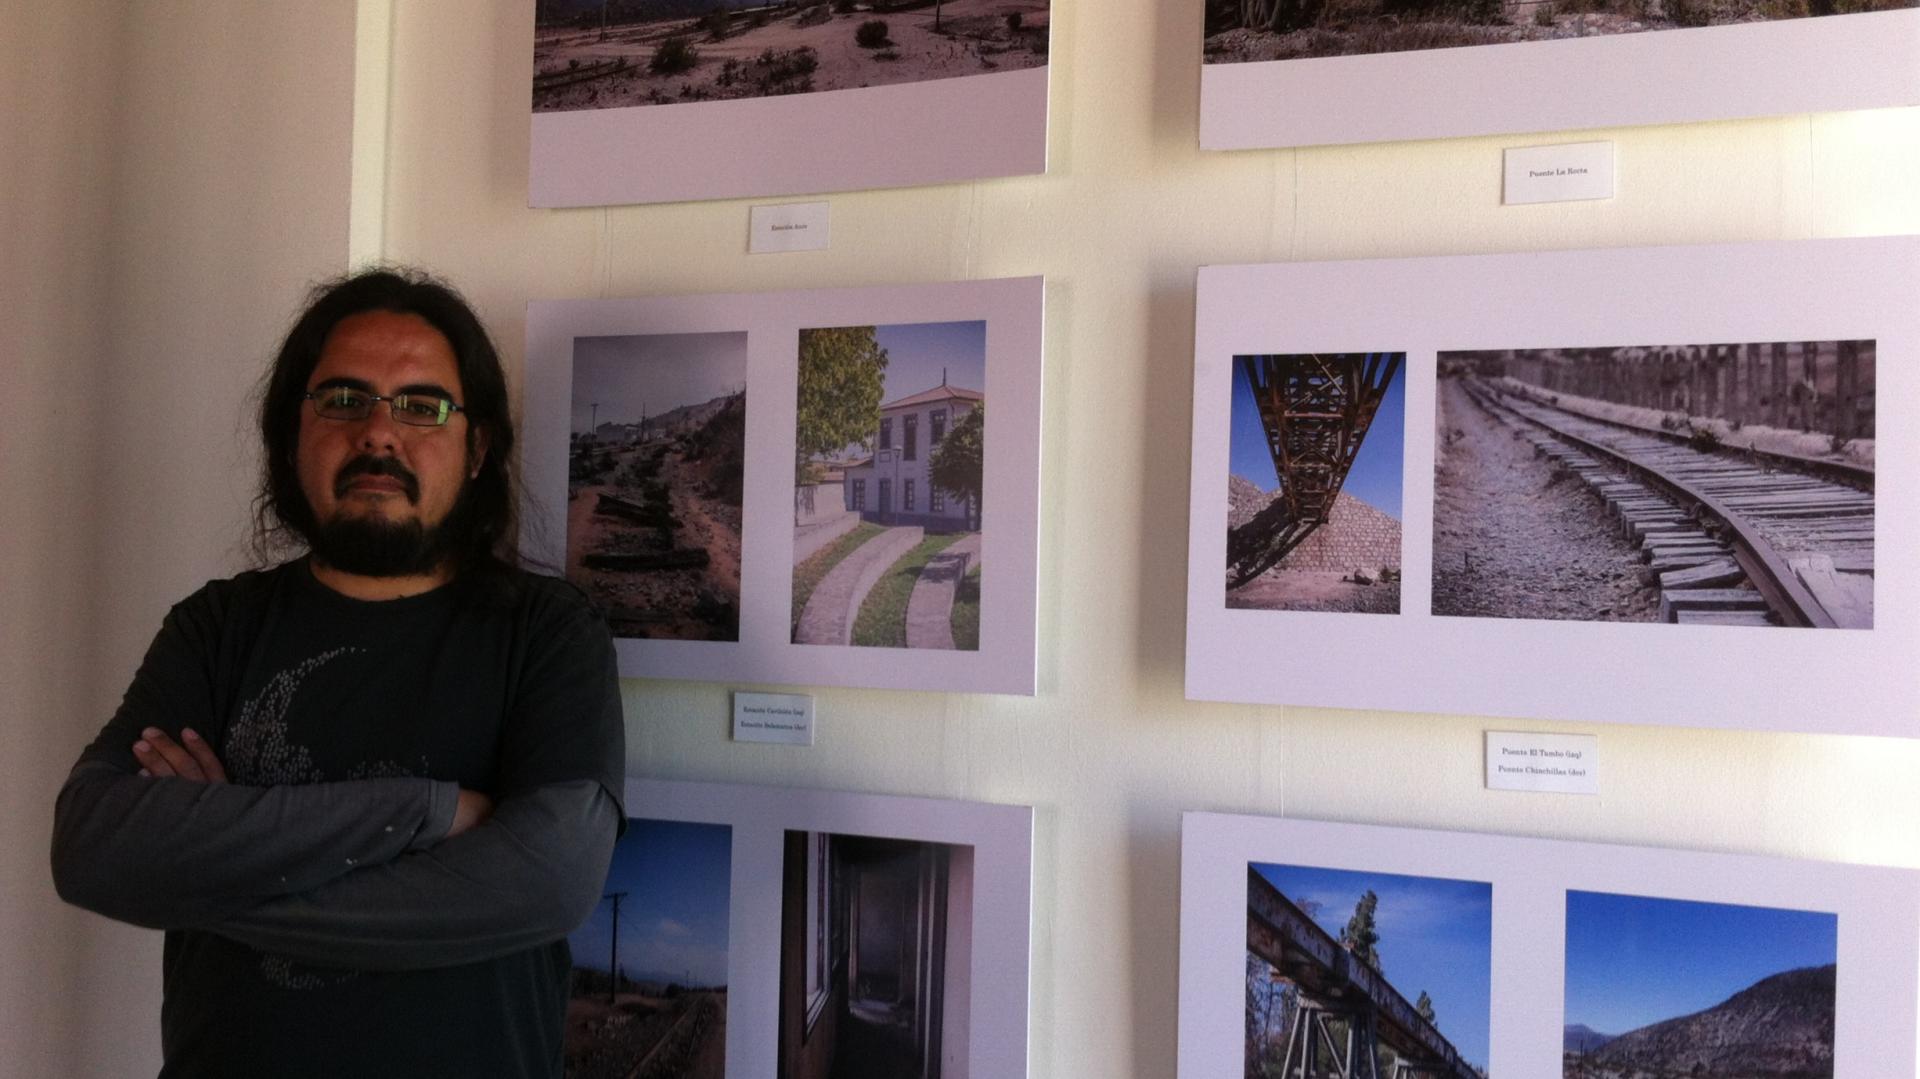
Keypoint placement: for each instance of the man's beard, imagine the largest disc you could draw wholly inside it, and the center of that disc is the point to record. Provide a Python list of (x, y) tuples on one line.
[(372, 546)]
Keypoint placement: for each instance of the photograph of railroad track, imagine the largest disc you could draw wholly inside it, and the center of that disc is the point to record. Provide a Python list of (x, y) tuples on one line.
[(1313, 496), (1352, 971), (1702, 484), (655, 477), (649, 993), (589, 54), (1674, 989), (888, 472), (876, 957), (1238, 31)]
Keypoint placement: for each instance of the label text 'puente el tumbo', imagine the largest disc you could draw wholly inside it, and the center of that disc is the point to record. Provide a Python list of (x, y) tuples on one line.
[(1316, 409), (1345, 1008)]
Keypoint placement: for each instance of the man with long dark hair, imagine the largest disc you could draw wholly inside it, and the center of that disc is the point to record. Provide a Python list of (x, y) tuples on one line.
[(367, 791)]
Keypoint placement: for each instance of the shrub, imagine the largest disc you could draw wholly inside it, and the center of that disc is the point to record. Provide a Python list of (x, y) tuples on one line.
[(716, 23), (672, 56), (1013, 22), (1543, 15), (1703, 439), (843, 7), (872, 34), (1689, 12)]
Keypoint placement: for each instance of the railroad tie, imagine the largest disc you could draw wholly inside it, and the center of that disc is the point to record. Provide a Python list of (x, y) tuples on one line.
[(1676, 601)]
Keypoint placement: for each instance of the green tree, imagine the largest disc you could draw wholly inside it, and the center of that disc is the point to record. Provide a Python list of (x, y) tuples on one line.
[(959, 462), (1425, 1007), (842, 377), (1361, 936)]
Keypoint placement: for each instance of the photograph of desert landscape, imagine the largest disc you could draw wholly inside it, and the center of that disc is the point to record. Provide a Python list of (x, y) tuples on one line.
[(1358, 974), (1238, 31), (649, 994), (876, 957), (889, 474), (1709, 484), (1313, 491), (604, 54), (1673, 989), (655, 475)]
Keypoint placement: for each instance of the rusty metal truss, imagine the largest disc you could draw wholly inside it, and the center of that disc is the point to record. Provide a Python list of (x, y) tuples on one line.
[(1316, 409)]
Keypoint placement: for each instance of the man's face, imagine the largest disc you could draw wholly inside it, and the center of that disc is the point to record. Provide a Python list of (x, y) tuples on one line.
[(379, 488)]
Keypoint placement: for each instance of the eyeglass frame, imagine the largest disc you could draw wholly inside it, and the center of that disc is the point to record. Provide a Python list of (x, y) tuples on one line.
[(447, 410)]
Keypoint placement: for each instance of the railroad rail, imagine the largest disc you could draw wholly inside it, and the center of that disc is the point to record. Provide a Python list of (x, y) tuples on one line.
[(1345, 1007), (1729, 538)]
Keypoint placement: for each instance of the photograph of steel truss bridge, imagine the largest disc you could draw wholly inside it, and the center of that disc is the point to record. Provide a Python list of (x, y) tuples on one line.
[(1331, 955), (1719, 484), (1313, 492), (1669, 988)]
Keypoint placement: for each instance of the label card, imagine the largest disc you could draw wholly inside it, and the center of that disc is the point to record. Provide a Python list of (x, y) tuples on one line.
[(773, 717), (789, 226), (1565, 173), (1555, 763)]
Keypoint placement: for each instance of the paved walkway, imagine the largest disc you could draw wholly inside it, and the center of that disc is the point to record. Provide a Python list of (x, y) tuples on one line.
[(930, 608), (828, 617), (810, 538)]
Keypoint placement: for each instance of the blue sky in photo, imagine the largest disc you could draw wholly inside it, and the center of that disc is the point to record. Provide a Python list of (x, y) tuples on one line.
[(1436, 935), (1375, 477), (673, 921), (917, 351), (655, 372), (1634, 960)]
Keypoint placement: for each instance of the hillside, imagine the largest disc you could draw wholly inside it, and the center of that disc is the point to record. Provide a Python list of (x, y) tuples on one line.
[(1781, 1027), (1581, 1038)]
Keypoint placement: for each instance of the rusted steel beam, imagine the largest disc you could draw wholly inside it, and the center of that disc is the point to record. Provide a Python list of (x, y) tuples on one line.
[(1316, 409), (1282, 935)]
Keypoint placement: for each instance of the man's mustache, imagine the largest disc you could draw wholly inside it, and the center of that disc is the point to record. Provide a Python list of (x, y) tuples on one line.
[(366, 465)]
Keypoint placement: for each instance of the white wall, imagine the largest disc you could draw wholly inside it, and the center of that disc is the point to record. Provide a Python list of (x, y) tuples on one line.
[(1110, 752), (171, 178), (175, 174)]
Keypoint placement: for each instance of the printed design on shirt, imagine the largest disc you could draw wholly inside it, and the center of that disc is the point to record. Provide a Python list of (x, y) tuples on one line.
[(259, 751)]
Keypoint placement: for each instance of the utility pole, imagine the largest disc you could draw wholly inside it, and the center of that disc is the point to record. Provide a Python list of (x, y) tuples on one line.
[(613, 959), (594, 424)]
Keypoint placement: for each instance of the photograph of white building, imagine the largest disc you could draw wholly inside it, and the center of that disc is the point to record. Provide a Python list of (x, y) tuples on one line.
[(888, 470)]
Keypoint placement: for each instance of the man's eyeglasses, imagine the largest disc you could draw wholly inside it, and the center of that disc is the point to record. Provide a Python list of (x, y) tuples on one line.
[(347, 403)]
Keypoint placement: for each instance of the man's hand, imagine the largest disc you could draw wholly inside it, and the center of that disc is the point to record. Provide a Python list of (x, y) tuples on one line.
[(161, 756), (470, 812)]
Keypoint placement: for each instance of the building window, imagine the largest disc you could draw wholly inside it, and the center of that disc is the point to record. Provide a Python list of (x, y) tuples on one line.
[(819, 961), (859, 495), (886, 497), (936, 426), (936, 500), (910, 436), (906, 496), (886, 434)]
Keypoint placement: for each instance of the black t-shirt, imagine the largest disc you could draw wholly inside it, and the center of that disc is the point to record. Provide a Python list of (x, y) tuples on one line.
[(496, 690)]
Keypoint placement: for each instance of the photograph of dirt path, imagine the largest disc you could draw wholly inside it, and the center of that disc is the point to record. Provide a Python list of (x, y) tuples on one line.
[(655, 474), (1672, 483), (1673, 989), (1238, 31), (1412, 995), (603, 55), (1313, 493), (649, 994), (888, 476)]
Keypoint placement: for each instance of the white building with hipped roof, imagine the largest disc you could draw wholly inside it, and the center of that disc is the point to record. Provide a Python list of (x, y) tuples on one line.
[(894, 486)]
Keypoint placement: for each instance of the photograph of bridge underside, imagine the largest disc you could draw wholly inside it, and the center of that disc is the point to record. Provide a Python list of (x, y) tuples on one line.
[(650, 963), (1331, 957), (1250, 30), (1313, 491), (1667, 988), (875, 957), (889, 474), (656, 466), (1716, 484), (603, 54)]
